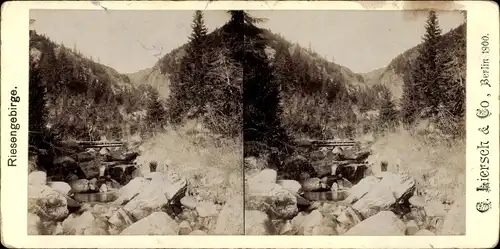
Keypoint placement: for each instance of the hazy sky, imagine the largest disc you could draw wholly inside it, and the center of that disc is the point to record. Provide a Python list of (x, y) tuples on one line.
[(130, 41)]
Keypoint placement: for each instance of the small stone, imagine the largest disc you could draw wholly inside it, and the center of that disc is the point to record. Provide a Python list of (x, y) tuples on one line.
[(189, 202), (411, 227), (185, 228), (103, 188)]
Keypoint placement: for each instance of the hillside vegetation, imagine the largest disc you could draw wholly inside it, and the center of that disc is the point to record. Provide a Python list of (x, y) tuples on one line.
[(78, 98)]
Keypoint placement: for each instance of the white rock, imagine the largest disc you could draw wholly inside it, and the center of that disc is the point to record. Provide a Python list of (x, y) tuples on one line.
[(258, 223), (311, 221), (47, 203), (61, 187), (37, 178), (134, 187), (158, 223), (76, 225), (103, 188), (292, 185), (206, 209), (154, 195), (33, 224), (417, 201), (454, 221), (230, 219), (264, 176), (189, 202), (272, 199), (434, 209), (384, 223)]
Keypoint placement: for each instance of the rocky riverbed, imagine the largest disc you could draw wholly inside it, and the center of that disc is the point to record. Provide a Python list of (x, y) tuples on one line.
[(124, 200), (341, 195)]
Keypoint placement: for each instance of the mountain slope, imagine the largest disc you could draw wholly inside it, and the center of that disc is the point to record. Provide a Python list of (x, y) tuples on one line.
[(392, 76), (83, 99)]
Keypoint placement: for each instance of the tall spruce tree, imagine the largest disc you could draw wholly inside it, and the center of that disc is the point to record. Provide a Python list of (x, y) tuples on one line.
[(421, 95), (187, 88)]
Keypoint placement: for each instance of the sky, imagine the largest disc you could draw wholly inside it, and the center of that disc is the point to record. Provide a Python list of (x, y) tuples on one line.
[(130, 41)]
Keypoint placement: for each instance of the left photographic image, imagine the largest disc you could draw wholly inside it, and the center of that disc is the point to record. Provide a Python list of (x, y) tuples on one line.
[(134, 123)]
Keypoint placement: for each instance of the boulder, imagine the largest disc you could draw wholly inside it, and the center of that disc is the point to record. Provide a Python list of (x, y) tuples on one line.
[(258, 223), (306, 222), (37, 178), (76, 225), (264, 176), (80, 185), (189, 202), (230, 219), (384, 223), (454, 221), (373, 196), (47, 203), (417, 201), (162, 189), (133, 188), (206, 209), (157, 223), (60, 187), (272, 199), (292, 185), (434, 209), (361, 189)]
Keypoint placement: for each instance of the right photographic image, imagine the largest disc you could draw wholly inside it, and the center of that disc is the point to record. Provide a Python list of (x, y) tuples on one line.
[(354, 122)]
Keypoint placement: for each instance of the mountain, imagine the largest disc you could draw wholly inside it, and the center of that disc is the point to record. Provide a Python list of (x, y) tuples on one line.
[(392, 76), (82, 99), (317, 82)]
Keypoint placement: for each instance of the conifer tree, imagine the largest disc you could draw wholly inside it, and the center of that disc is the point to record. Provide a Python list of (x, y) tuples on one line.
[(187, 88), (261, 113), (421, 87)]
